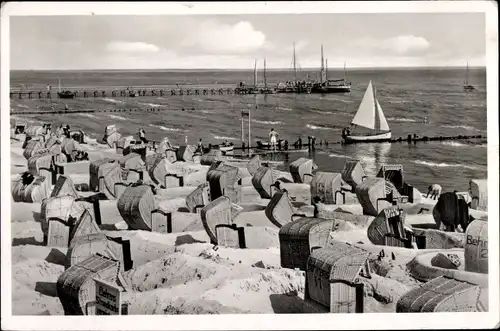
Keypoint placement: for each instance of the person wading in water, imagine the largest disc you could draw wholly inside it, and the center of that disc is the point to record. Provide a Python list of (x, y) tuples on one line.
[(274, 137)]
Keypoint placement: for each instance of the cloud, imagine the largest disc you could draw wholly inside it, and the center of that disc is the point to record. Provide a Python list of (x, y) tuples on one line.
[(214, 37), (403, 45), (131, 47), (409, 44)]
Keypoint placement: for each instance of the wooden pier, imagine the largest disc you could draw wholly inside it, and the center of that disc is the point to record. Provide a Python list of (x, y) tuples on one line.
[(142, 92)]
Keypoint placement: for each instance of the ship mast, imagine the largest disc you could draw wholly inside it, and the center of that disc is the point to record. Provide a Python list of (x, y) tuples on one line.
[(255, 74), (345, 74), (322, 66), (265, 79), (294, 64), (326, 70), (467, 75)]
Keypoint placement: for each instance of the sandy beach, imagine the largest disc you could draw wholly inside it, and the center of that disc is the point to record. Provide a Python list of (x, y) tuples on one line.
[(184, 273)]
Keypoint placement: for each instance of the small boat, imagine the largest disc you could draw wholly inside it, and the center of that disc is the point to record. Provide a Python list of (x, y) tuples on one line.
[(467, 86), (333, 86), (330, 85), (226, 148), (369, 122), (295, 86), (65, 94)]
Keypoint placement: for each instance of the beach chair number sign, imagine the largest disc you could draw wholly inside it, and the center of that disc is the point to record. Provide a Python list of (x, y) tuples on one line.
[(108, 299)]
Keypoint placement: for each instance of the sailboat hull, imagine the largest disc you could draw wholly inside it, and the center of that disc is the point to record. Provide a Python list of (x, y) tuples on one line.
[(66, 95), (382, 137)]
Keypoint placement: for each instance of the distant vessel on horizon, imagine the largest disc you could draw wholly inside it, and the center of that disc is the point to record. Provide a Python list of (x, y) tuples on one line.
[(326, 85), (369, 121), (467, 86)]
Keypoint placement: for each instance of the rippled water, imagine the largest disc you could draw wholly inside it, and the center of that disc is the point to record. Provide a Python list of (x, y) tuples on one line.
[(406, 96)]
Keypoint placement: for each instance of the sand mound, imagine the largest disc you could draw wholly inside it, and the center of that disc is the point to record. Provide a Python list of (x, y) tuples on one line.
[(341, 225), (198, 306), (31, 252), (171, 270), (29, 302), (257, 293), (26, 233), (34, 286), (25, 212), (34, 273)]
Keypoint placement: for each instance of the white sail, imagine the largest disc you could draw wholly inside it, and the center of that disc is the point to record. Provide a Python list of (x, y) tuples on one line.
[(383, 125), (365, 115)]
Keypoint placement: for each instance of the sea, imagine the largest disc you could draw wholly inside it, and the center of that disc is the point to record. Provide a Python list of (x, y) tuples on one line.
[(407, 96)]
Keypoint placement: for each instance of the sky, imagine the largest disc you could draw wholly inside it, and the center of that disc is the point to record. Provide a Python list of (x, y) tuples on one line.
[(235, 41)]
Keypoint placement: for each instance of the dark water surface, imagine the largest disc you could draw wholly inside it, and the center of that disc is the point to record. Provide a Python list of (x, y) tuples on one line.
[(407, 96)]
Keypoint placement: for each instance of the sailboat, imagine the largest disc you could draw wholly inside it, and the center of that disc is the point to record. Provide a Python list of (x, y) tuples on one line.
[(295, 86), (467, 86), (330, 85), (66, 94), (369, 121), (254, 89), (266, 89)]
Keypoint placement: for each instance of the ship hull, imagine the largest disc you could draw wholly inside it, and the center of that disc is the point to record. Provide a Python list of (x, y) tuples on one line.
[(382, 137), (66, 96), (332, 89), (299, 91), (226, 148)]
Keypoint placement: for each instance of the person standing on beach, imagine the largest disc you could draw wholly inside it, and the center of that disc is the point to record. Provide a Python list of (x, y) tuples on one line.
[(200, 146), (435, 191), (142, 136), (274, 137)]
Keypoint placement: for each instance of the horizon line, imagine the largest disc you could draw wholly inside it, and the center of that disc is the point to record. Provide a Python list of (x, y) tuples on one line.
[(251, 69)]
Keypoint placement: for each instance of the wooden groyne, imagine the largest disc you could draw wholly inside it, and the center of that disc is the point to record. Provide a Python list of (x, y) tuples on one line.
[(409, 140), (280, 148)]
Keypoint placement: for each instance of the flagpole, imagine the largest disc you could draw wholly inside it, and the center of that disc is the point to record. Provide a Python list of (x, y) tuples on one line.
[(242, 129), (249, 131)]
